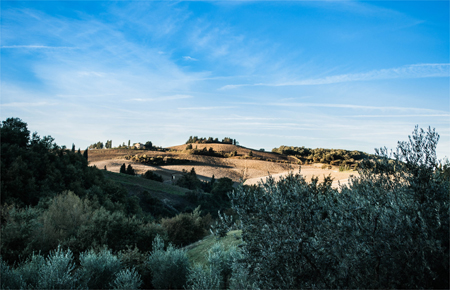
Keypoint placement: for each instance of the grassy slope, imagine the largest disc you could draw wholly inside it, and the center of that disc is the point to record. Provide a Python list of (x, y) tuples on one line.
[(198, 252), (146, 184)]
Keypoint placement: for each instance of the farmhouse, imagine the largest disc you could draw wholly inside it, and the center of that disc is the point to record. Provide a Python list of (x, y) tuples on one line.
[(139, 146)]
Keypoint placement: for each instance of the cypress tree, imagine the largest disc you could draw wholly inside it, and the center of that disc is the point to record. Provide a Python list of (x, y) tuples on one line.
[(130, 170), (85, 154), (122, 168)]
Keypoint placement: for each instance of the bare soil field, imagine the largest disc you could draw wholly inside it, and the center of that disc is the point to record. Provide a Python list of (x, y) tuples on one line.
[(235, 168)]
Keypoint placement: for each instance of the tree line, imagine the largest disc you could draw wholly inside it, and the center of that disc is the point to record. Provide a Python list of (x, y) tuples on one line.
[(203, 140)]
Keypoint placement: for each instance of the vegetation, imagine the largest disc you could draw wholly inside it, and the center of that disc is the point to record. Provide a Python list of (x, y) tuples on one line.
[(336, 157), (387, 229), (152, 176), (68, 225), (225, 140), (155, 161)]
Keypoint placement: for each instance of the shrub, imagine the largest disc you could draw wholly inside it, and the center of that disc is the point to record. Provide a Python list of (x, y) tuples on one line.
[(184, 228), (29, 270), (152, 176), (57, 272), (98, 269), (169, 267), (18, 232), (10, 279), (127, 279), (217, 272)]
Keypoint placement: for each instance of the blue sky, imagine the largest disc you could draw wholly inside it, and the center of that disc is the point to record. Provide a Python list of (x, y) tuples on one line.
[(329, 74)]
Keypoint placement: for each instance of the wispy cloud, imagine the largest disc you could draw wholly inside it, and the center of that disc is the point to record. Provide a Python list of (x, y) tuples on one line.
[(189, 58), (164, 98), (355, 107), (26, 104), (426, 70), (207, 108), (38, 47)]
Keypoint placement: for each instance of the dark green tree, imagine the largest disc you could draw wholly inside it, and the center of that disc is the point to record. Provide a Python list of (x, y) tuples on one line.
[(85, 154), (130, 170), (123, 168)]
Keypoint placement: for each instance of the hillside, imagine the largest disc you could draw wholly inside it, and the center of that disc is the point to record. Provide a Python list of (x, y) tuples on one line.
[(240, 167)]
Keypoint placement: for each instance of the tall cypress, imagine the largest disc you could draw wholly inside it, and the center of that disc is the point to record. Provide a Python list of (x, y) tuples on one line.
[(85, 154)]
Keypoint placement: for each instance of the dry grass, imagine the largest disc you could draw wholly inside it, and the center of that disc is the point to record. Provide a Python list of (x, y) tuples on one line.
[(235, 168)]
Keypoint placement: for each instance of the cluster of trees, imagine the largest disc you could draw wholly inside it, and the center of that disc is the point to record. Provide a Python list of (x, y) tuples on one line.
[(205, 152), (201, 140), (127, 169), (156, 161), (330, 156)]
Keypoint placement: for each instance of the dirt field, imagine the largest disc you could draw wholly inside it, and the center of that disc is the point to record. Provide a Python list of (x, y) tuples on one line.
[(252, 171)]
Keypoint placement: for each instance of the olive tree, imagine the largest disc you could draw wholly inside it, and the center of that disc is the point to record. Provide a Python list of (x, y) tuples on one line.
[(388, 228)]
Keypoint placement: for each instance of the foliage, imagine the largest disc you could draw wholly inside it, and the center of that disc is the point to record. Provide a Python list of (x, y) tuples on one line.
[(18, 232), (169, 267), (156, 161), (185, 228), (195, 139), (222, 187), (10, 279), (152, 176), (130, 170), (329, 156), (98, 145), (387, 229), (35, 168), (98, 269), (57, 272), (127, 279), (189, 180), (123, 169), (216, 274)]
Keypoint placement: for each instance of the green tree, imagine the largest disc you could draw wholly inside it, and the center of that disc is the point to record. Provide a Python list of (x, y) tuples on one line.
[(123, 169), (169, 267), (85, 154), (130, 170), (389, 228)]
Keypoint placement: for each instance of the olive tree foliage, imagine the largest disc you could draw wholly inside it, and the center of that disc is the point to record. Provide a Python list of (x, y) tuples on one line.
[(169, 267), (388, 228), (218, 270)]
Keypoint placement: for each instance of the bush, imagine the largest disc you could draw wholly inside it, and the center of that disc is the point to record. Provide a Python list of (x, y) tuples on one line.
[(169, 267), (10, 279), (57, 272), (184, 228), (127, 279), (18, 232), (98, 269), (152, 176), (217, 272)]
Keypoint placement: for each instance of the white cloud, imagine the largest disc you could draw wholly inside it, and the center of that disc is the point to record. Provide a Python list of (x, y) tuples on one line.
[(207, 108), (38, 47), (189, 58), (163, 98), (426, 70)]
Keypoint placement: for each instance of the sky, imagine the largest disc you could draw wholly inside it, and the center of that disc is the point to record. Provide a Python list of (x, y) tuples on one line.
[(353, 75)]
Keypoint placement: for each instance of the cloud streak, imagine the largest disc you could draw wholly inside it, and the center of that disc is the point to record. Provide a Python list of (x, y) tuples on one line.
[(38, 47), (426, 70)]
